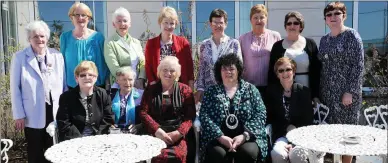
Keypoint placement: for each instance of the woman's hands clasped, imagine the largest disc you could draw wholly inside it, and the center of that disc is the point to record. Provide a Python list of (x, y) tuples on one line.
[(231, 144), (169, 138)]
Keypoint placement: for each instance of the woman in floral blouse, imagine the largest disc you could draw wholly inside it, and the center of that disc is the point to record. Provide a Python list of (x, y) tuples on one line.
[(212, 48), (232, 116), (168, 44)]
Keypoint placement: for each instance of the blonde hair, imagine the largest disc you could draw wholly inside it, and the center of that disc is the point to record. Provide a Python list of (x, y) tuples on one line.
[(84, 8), (85, 66), (259, 8), (172, 62), (168, 12)]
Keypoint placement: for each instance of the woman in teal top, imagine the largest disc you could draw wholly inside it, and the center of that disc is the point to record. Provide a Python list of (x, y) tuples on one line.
[(81, 44)]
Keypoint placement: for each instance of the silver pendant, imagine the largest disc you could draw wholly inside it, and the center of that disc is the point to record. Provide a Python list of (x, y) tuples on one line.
[(232, 118)]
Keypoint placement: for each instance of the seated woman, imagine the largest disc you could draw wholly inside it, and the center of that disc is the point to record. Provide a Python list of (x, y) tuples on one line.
[(85, 110), (232, 117), (288, 107), (126, 98), (168, 110)]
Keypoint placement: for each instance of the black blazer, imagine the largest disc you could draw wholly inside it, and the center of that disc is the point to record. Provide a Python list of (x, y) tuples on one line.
[(71, 114), (314, 67), (300, 111)]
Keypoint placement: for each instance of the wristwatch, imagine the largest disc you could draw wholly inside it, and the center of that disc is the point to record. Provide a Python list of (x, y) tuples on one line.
[(246, 135)]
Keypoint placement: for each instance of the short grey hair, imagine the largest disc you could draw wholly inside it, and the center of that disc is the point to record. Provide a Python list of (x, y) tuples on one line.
[(121, 11), (169, 61), (125, 70), (37, 25)]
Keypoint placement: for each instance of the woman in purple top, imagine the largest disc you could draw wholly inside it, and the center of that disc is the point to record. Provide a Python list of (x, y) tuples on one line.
[(256, 46)]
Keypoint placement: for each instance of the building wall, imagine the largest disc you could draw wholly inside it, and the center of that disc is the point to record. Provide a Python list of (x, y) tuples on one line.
[(312, 12), (25, 14)]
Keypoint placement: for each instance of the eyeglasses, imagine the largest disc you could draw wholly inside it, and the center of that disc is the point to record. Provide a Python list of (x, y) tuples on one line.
[(290, 23), (331, 14), (284, 70), (86, 74), (80, 15)]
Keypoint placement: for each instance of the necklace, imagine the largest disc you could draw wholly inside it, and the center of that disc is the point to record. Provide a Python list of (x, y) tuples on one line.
[(231, 120)]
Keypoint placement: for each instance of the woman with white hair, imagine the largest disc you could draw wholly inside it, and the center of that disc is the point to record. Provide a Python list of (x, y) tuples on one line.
[(168, 110), (126, 98), (34, 94), (82, 43), (121, 49)]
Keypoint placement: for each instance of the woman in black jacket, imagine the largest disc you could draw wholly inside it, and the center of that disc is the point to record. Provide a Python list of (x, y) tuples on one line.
[(85, 110), (289, 107), (300, 49)]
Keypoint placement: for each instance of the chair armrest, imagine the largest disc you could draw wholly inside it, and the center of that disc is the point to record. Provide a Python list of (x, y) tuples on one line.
[(51, 128), (197, 124), (268, 131)]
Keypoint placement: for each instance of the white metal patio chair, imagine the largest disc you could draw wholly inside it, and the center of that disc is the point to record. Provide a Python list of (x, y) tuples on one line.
[(321, 112), (3, 154), (375, 116)]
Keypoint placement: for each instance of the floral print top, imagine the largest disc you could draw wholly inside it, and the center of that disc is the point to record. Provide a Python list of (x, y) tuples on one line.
[(205, 76), (342, 59), (251, 114)]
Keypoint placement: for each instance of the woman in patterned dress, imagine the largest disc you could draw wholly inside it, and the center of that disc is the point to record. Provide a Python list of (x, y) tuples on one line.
[(232, 117), (168, 110), (342, 56), (217, 45), (168, 44)]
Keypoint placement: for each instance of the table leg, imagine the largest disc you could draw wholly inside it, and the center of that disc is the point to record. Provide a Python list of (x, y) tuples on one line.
[(337, 158)]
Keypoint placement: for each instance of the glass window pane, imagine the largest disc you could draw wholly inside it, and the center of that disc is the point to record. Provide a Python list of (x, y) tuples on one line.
[(55, 10), (373, 27), (183, 9), (245, 9), (98, 15), (203, 10)]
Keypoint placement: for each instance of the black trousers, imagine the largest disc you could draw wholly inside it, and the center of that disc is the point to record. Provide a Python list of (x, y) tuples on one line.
[(248, 152), (38, 140)]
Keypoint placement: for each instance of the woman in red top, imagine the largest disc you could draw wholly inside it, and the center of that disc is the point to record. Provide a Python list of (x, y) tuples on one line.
[(168, 44), (168, 110)]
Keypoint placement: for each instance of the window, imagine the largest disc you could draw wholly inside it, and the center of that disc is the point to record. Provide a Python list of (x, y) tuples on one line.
[(203, 10), (245, 10), (373, 28), (98, 11), (51, 11), (183, 9)]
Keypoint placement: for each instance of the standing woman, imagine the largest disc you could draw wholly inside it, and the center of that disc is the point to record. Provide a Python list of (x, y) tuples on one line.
[(256, 46), (124, 50), (302, 50), (212, 48), (82, 43), (168, 44), (342, 57), (37, 81)]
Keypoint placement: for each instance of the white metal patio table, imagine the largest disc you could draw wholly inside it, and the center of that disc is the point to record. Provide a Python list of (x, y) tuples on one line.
[(353, 140), (112, 148)]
